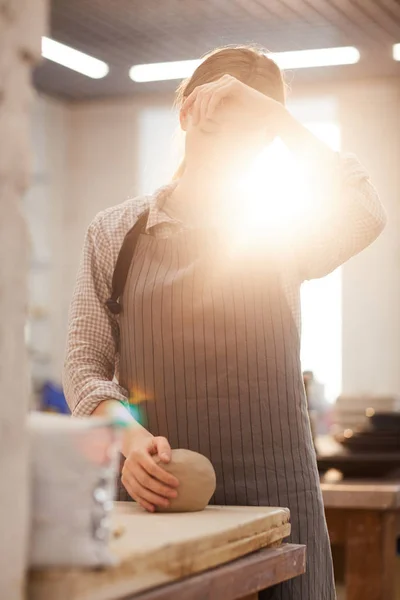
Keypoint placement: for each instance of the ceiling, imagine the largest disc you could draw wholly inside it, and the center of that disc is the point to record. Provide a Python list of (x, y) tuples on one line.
[(127, 32)]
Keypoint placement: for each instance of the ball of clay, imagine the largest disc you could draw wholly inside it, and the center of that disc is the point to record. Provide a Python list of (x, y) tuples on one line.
[(196, 478)]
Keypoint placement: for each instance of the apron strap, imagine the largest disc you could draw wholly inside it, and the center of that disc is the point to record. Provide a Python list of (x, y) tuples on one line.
[(123, 263)]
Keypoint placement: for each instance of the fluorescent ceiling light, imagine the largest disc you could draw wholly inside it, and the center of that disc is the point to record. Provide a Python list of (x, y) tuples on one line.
[(302, 59), (163, 71), (396, 51), (73, 59), (325, 57)]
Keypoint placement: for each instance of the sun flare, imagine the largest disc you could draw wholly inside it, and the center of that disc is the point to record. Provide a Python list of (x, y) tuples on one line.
[(279, 196)]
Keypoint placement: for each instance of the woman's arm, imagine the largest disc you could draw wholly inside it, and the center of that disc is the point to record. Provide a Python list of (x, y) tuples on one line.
[(92, 332), (114, 409), (92, 339), (347, 216), (348, 213), (89, 372)]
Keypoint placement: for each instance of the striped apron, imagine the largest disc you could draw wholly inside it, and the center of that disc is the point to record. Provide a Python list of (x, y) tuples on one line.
[(209, 347)]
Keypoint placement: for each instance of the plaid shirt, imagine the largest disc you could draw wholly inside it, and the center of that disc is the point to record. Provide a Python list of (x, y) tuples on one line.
[(355, 220)]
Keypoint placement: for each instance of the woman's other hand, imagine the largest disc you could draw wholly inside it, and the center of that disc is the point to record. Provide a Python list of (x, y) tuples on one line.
[(145, 480)]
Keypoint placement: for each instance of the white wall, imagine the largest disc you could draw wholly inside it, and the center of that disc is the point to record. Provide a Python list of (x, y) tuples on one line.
[(85, 160), (102, 169), (370, 118), (44, 206)]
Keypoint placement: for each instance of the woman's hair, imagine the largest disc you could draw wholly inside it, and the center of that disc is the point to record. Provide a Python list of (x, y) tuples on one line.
[(248, 64)]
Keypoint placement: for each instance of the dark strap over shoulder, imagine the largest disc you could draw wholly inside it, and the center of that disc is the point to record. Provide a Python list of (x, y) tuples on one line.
[(123, 263)]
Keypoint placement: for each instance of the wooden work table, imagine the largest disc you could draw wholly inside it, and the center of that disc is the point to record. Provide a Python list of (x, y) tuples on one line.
[(364, 517), (222, 553)]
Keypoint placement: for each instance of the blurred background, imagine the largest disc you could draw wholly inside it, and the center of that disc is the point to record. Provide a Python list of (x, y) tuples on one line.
[(100, 137)]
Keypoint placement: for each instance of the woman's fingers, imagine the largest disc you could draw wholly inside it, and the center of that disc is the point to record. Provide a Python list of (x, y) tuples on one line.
[(191, 104), (139, 487), (204, 99), (146, 505), (203, 105), (190, 100), (142, 458), (151, 498), (162, 448), (198, 102), (218, 95), (157, 472), (197, 105), (131, 487), (148, 482)]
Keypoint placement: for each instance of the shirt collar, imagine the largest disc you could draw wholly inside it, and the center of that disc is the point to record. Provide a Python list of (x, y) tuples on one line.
[(157, 215)]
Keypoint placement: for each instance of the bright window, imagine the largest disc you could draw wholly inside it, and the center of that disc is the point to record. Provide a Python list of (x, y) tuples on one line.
[(321, 308)]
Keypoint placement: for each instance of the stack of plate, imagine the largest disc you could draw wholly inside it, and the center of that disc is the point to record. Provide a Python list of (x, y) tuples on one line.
[(353, 412), (373, 439), (368, 424)]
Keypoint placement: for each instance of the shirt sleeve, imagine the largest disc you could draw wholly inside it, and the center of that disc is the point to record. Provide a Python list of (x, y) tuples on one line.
[(350, 218), (93, 333)]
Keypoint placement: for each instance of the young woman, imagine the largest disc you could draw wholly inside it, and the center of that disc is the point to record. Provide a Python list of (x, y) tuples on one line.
[(208, 340)]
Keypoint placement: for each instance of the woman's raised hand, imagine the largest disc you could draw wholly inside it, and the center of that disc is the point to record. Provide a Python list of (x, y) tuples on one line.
[(206, 103)]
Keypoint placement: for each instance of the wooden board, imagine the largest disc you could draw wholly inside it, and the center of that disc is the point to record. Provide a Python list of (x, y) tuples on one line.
[(239, 579), (154, 549)]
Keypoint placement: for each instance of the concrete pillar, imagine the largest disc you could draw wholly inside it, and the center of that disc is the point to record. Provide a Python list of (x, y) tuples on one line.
[(22, 23)]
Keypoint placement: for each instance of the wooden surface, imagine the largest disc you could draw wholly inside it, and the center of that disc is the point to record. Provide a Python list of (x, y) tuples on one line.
[(239, 579), (155, 549), (364, 518), (362, 465), (362, 495)]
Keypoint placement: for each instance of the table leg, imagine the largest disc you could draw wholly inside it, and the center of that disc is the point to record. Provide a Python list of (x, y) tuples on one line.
[(371, 555)]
